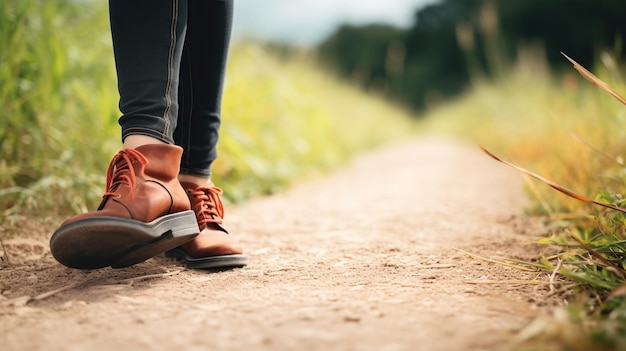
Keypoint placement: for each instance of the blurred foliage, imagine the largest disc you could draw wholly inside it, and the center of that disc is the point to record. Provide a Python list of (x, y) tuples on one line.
[(58, 121), (454, 43), (58, 104), (293, 121)]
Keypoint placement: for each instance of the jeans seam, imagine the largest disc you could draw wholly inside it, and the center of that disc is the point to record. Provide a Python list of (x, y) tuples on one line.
[(170, 68), (190, 116)]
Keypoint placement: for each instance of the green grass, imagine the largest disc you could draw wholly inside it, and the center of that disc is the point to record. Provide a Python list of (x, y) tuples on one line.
[(283, 121), (58, 104)]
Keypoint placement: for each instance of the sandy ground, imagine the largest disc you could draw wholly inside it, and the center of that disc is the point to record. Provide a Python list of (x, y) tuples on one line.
[(370, 257)]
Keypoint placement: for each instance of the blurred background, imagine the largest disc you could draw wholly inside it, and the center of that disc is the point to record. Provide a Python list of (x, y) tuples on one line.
[(418, 51), (304, 23), (338, 77)]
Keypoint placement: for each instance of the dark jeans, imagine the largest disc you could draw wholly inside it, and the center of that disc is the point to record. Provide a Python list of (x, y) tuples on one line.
[(170, 57)]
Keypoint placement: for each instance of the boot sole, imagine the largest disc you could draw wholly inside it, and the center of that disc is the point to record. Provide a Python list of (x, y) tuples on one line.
[(209, 262), (99, 242)]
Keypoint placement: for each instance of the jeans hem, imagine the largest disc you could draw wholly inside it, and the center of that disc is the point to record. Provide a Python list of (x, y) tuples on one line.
[(147, 132)]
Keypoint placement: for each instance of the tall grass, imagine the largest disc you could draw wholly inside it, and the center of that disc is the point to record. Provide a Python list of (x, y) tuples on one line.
[(58, 104), (58, 121), (284, 118), (572, 133)]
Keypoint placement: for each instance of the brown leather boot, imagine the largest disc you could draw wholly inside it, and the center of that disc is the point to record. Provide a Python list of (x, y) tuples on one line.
[(144, 212), (214, 248)]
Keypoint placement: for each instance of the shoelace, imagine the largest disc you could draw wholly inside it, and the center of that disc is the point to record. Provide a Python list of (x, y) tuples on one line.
[(207, 204), (121, 171)]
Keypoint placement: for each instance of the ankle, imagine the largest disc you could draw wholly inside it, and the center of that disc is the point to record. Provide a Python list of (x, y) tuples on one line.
[(136, 140), (197, 180)]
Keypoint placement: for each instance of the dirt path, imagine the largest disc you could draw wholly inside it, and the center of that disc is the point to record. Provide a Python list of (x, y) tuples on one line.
[(366, 258)]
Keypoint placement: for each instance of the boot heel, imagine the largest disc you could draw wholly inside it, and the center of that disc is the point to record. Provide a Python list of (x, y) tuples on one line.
[(176, 225), (170, 231)]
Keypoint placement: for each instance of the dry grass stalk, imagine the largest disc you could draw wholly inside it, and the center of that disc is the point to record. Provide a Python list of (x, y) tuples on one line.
[(617, 269), (511, 282), (133, 280), (56, 291), (595, 80), (544, 204), (553, 184), (553, 275), (514, 266), (598, 151)]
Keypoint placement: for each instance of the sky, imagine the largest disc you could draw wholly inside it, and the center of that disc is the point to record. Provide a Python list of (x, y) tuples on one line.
[(307, 22)]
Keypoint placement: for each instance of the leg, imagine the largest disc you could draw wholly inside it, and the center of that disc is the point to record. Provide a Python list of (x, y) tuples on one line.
[(148, 38), (202, 77), (200, 94), (144, 211)]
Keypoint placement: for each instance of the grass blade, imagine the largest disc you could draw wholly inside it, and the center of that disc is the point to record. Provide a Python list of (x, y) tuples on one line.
[(553, 184), (595, 80)]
